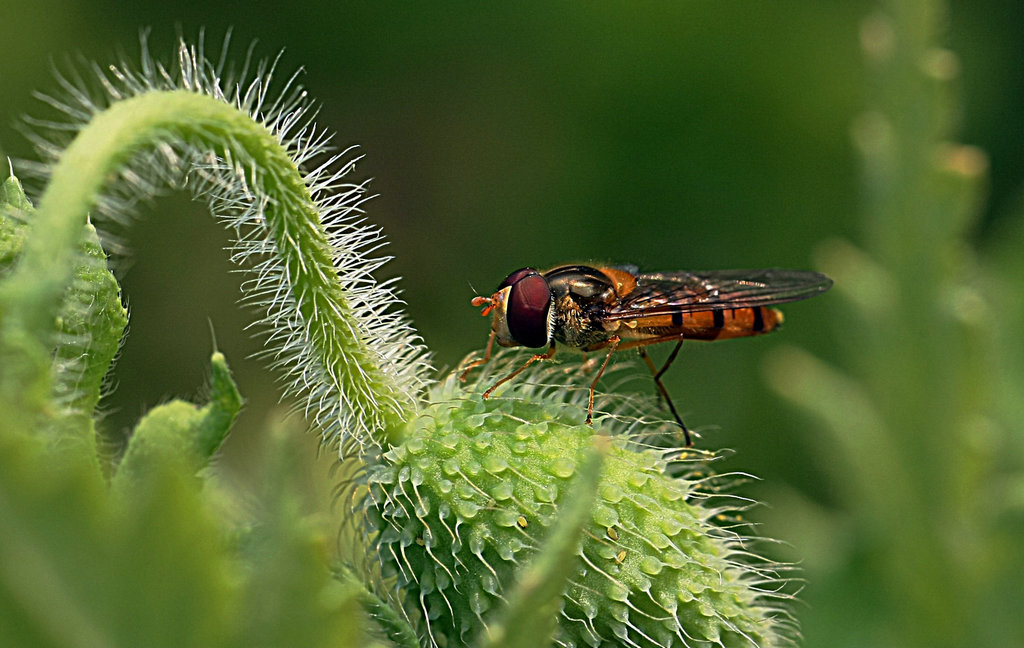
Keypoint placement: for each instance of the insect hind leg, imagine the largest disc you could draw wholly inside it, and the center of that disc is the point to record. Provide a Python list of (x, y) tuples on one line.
[(657, 374)]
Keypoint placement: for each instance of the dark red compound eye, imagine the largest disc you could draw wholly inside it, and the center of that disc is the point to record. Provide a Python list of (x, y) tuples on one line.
[(514, 278), (529, 302)]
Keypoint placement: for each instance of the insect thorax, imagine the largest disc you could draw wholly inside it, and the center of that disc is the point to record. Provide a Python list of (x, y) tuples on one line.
[(575, 326)]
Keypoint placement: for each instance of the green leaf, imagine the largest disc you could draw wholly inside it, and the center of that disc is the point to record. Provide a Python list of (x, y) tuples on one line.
[(89, 325), (25, 382), (12, 195), (291, 598), (78, 570), (15, 209), (388, 617), (151, 564), (181, 433)]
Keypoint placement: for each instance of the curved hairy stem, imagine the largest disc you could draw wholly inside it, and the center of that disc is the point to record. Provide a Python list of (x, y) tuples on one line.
[(331, 325)]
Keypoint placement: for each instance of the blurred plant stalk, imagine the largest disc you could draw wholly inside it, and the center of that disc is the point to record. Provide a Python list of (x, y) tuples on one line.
[(915, 435)]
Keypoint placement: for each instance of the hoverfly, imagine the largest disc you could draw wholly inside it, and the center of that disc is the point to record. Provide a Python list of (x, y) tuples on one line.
[(617, 308)]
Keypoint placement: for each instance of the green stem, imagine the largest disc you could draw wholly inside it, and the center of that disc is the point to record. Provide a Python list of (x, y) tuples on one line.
[(376, 405)]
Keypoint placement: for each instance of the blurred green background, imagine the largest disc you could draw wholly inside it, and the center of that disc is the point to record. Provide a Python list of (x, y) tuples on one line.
[(688, 135)]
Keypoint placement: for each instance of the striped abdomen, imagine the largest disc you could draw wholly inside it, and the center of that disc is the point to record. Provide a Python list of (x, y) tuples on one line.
[(707, 325)]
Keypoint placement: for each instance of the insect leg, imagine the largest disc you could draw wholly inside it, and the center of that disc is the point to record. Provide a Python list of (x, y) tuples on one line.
[(661, 388), (670, 360), (534, 358), (477, 363), (614, 342), (650, 364)]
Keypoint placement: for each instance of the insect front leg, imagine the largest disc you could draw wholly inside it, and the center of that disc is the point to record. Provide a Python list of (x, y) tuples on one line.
[(613, 343), (534, 358), (477, 363)]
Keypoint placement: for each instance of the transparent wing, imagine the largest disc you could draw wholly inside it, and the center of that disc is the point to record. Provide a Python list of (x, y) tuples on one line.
[(659, 293)]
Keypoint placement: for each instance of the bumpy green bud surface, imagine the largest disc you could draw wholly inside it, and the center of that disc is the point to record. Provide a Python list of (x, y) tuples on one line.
[(91, 320), (466, 500)]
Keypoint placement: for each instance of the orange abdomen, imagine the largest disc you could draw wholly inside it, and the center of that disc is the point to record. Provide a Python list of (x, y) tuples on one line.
[(708, 325), (731, 323)]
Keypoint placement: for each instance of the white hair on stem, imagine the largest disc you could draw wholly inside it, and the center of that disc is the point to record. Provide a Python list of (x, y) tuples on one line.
[(338, 336)]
